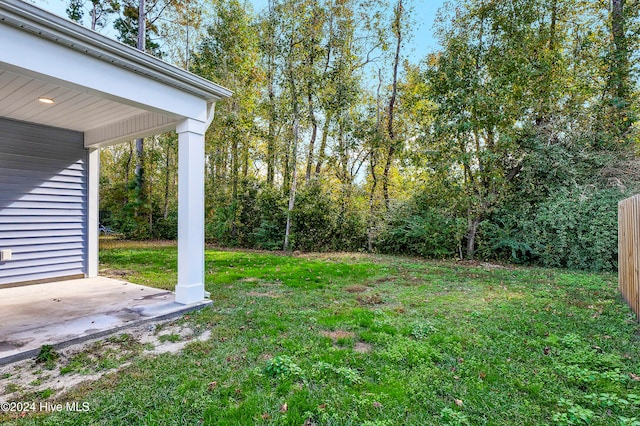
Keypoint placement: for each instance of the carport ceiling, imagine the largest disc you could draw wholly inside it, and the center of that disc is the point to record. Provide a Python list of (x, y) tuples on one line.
[(72, 108)]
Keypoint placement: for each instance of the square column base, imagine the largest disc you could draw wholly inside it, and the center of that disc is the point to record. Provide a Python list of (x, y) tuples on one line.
[(188, 294)]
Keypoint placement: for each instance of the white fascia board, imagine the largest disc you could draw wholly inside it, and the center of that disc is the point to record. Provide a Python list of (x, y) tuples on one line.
[(60, 31), (27, 54)]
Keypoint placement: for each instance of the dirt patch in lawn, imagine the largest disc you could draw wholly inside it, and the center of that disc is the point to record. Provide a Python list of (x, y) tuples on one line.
[(356, 288), (116, 243), (338, 334), (90, 360), (362, 347), (270, 294), (368, 300)]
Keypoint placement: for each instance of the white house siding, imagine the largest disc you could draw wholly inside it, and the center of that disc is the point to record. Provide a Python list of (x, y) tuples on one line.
[(43, 202)]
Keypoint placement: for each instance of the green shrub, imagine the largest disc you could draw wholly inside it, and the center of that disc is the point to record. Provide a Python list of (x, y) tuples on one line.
[(269, 232), (421, 230), (575, 229), (282, 366), (166, 228), (313, 219)]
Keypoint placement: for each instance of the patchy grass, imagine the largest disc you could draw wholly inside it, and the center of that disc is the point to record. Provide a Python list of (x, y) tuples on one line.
[(342, 339)]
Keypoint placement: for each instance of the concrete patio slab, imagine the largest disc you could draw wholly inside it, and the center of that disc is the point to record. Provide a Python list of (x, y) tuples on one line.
[(68, 312)]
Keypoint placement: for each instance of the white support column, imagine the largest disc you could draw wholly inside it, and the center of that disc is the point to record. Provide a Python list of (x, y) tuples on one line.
[(190, 287), (93, 212)]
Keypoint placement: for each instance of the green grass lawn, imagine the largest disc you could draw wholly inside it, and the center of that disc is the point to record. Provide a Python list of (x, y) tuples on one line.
[(354, 339)]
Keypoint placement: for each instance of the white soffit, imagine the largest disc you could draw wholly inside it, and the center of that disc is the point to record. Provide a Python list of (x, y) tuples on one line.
[(72, 109)]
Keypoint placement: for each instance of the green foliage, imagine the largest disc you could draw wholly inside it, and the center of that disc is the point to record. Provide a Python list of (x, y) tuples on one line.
[(574, 228), (508, 143), (313, 219), (577, 230), (269, 234), (282, 366), (419, 229), (423, 329), (451, 417), (324, 371), (166, 228), (572, 414), (47, 356)]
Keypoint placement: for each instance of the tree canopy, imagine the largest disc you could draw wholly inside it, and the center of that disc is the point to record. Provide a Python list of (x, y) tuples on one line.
[(513, 141)]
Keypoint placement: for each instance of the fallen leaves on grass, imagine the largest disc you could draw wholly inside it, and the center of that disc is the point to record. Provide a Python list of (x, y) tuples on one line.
[(374, 299)]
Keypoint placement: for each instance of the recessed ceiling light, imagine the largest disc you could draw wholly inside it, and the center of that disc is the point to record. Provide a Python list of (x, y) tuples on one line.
[(46, 100)]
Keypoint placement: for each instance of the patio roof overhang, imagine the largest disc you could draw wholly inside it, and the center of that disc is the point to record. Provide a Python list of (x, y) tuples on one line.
[(112, 93), (88, 74)]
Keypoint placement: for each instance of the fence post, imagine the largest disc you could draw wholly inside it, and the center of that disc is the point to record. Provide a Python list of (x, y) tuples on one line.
[(629, 252)]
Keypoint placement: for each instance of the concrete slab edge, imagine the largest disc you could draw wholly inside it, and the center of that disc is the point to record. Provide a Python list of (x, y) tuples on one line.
[(32, 353)]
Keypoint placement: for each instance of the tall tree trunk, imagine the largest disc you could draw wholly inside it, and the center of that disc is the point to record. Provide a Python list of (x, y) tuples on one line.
[(245, 156), (286, 171), (620, 78), (294, 175), (140, 195), (127, 170), (141, 26), (323, 144), (372, 193), (314, 132), (167, 181), (94, 16), (373, 162), (397, 29), (294, 154), (620, 63), (311, 110), (472, 231), (271, 136), (139, 172)]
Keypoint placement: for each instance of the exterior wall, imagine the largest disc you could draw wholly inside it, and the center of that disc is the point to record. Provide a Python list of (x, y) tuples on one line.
[(43, 202)]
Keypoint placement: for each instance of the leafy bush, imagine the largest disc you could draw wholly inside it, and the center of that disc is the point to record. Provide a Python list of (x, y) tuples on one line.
[(575, 229), (219, 227), (313, 219), (421, 230), (269, 232), (350, 231), (166, 228), (282, 366)]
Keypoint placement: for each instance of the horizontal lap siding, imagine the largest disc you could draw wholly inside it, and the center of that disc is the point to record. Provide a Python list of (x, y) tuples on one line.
[(43, 202)]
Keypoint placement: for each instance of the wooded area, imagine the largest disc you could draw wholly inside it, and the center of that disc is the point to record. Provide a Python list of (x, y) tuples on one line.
[(514, 142)]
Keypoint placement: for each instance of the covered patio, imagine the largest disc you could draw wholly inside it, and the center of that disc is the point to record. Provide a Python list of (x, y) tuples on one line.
[(63, 313), (65, 92)]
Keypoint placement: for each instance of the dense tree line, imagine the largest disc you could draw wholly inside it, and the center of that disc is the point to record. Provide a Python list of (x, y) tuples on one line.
[(514, 141)]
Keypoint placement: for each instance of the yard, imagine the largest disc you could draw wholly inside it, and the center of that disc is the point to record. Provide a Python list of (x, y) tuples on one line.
[(339, 339)]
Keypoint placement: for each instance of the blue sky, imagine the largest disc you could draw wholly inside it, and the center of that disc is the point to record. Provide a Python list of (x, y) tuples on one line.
[(421, 43)]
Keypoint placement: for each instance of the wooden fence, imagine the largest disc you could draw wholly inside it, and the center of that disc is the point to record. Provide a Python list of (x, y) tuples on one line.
[(629, 251)]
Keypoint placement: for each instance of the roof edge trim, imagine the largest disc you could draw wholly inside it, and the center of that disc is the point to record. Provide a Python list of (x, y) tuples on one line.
[(72, 35)]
